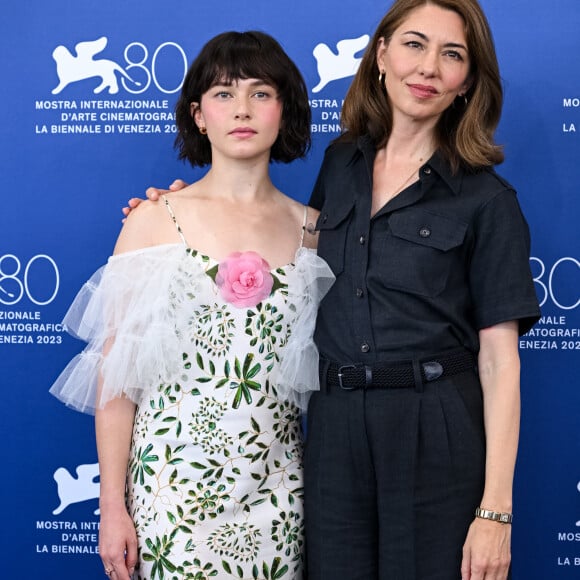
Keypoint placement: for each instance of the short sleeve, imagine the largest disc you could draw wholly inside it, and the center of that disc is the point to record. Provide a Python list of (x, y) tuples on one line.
[(500, 278)]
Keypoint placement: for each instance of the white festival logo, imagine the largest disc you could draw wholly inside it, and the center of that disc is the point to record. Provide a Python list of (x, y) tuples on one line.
[(334, 66), (72, 68), (76, 489)]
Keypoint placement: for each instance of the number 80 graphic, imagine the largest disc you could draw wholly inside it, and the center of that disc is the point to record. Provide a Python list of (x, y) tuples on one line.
[(137, 48), (546, 286), (15, 281)]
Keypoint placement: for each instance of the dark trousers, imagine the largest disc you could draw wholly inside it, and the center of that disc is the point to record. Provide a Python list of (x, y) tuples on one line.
[(392, 479)]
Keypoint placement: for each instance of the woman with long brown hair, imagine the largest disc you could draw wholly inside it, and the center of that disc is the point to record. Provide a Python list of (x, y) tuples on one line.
[(412, 440)]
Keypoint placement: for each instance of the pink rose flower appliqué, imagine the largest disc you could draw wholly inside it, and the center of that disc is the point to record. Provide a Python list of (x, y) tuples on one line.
[(244, 279)]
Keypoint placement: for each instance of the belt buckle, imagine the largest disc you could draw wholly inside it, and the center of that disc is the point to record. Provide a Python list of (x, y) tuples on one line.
[(340, 377), (433, 370)]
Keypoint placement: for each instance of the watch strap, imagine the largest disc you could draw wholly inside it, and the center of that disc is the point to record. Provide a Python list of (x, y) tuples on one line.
[(501, 517)]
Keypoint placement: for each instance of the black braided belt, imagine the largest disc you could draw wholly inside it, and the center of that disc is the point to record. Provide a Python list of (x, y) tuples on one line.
[(396, 375)]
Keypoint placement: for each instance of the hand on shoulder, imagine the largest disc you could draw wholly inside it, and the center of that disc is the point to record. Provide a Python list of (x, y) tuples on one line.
[(153, 194)]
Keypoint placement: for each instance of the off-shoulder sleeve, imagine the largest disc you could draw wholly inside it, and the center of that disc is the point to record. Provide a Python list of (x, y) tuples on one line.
[(124, 314), (297, 375)]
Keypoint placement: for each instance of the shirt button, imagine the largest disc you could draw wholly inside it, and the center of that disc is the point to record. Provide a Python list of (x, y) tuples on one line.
[(359, 293), (427, 171), (362, 240), (364, 347), (424, 232)]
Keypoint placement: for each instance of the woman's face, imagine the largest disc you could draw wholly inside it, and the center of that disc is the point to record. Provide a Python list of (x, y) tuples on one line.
[(242, 118), (426, 64)]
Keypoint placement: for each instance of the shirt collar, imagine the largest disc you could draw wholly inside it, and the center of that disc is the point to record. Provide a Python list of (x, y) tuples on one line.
[(443, 169), (437, 163)]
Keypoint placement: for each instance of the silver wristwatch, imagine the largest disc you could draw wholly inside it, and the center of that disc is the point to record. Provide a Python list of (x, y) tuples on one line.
[(502, 518)]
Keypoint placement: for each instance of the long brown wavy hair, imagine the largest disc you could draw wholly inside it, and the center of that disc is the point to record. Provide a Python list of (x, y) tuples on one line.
[(465, 132)]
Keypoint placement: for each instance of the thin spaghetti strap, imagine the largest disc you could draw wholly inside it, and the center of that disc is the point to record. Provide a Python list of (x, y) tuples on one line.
[(304, 225), (174, 219)]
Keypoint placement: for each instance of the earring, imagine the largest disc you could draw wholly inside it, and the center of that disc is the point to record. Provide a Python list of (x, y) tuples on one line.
[(381, 79), (465, 100), (203, 130)]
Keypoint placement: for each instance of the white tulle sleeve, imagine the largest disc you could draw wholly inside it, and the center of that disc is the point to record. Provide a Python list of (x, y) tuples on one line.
[(123, 312), (297, 374)]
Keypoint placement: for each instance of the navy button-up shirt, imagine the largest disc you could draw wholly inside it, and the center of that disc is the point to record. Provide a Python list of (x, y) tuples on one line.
[(443, 259)]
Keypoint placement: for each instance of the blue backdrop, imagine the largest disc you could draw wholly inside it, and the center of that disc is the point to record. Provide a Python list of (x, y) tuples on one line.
[(86, 112)]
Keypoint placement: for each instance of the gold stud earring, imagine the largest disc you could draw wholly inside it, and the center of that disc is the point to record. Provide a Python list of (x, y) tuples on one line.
[(203, 130)]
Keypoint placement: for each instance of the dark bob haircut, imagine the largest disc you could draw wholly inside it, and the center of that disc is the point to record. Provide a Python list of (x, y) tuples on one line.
[(231, 56)]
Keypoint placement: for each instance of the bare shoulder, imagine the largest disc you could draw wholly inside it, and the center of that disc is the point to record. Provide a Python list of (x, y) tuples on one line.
[(145, 226)]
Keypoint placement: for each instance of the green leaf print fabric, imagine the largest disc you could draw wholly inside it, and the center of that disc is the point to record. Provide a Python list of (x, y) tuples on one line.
[(214, 481)]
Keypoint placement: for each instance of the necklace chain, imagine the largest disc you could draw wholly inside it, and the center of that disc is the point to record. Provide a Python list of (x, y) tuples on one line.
[(400, 188)]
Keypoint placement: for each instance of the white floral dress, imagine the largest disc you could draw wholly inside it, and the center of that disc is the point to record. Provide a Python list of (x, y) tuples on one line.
[(215, 472)]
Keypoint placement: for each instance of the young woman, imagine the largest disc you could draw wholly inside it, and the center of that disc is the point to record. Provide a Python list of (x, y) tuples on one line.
[(197, 328)]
